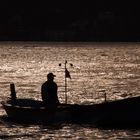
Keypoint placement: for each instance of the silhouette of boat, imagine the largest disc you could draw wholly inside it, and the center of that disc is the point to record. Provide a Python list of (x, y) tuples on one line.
[(34, 110), (125, 111)]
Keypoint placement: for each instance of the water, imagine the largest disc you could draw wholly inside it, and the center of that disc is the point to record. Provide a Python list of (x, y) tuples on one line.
[(97, 68)]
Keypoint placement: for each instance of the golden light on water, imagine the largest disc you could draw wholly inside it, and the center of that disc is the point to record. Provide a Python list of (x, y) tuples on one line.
[(97, 68)]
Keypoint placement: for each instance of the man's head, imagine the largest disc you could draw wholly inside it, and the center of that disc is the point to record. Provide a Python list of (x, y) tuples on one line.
[(50, 76)]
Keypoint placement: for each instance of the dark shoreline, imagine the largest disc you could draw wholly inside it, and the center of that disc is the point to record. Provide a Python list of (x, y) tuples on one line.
[(69, 44)]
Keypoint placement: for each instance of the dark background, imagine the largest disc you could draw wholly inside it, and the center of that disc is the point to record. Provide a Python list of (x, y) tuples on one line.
[(94, 20)]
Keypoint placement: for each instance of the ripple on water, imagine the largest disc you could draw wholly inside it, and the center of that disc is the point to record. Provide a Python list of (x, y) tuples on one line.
[(97, 68)]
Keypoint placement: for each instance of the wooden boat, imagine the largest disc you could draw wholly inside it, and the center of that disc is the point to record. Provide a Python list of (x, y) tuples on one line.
[(126, 111), (29, 110)]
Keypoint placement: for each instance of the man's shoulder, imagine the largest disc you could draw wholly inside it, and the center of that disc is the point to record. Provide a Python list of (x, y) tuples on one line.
[(44, 83), (54, 83), (49, 83)]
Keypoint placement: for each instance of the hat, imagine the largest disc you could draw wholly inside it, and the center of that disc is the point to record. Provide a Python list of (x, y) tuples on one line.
[(51, 75)]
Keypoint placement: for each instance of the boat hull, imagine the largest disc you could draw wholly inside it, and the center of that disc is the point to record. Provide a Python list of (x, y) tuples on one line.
[(126, 111), (35, 111)]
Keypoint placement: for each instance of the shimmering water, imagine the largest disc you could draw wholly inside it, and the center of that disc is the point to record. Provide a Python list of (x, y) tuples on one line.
[(97, 68)]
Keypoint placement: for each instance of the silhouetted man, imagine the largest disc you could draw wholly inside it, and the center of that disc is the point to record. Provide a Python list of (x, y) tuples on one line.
[(49, 91)]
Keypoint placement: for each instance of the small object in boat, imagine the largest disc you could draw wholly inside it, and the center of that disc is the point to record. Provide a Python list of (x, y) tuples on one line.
[(13, 92)]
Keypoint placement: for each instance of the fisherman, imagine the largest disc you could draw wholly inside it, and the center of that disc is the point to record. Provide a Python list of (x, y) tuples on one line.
[(49, 91)]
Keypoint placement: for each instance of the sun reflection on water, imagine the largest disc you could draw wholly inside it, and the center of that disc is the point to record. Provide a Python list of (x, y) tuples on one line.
[(97, 69)]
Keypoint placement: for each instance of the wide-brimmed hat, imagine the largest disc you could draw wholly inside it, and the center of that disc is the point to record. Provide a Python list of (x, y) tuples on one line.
[(51, 75)]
